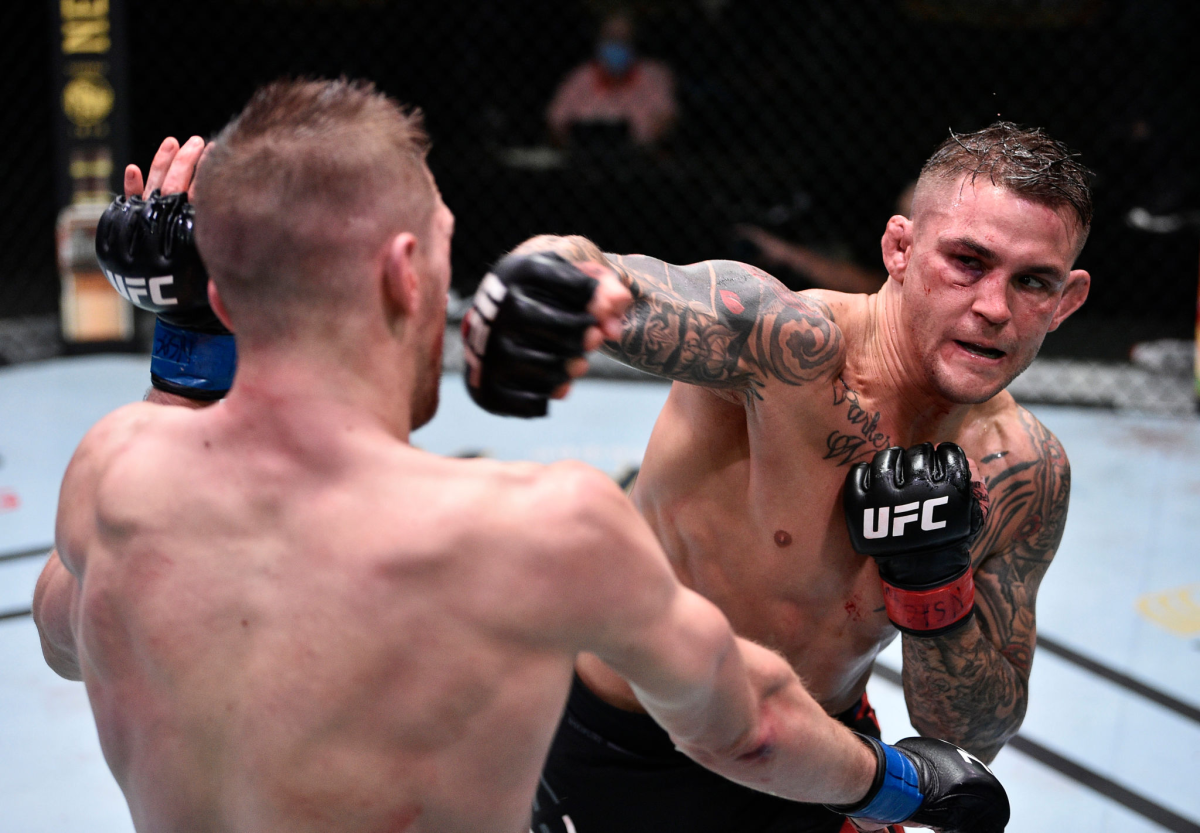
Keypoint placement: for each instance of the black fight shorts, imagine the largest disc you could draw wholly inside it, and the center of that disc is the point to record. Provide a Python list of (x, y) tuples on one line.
[(615, 771)]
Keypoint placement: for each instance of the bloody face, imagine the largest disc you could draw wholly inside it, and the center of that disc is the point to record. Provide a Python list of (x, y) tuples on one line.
[(988, 274)]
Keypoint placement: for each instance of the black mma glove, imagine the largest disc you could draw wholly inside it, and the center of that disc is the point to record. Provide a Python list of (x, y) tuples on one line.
[(916, 512), (147, 252), (527, 319), (932, 783)]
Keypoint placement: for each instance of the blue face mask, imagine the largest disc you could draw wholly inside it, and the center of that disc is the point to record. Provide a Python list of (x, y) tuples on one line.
[(615, 56)]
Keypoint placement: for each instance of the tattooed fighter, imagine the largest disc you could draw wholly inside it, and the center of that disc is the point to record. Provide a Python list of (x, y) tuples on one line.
[(778, 397)]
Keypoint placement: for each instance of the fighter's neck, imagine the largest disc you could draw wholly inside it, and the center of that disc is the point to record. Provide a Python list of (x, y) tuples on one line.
[(318, 392), (882, 362)]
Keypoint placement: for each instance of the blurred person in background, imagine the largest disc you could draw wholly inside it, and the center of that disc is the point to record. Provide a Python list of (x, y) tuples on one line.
[(617, 86)]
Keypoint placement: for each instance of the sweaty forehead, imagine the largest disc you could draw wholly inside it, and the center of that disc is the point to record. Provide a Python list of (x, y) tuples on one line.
[(978, 208)]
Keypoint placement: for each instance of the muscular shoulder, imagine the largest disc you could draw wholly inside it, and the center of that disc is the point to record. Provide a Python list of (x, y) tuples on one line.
[(838, 306), (1001, 434), (104, 443), (850, 312), (1028, 477), (721, 323), (113, 434), (580, 552)]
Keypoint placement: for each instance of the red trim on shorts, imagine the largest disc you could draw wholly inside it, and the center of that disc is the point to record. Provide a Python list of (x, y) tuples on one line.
[(866, 711), (930, 610)]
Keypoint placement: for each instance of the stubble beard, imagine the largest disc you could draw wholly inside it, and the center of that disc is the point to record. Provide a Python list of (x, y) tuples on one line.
[(426, 400), (949, 384)]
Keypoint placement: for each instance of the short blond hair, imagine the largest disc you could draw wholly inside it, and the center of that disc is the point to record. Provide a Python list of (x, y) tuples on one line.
[(300, 189)]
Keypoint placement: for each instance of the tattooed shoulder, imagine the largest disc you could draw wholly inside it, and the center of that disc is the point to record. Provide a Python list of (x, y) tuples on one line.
[(723, 324), (1030, 487)]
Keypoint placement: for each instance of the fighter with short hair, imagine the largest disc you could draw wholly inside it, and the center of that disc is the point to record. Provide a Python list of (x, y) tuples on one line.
[(288, 618), (777, 397)]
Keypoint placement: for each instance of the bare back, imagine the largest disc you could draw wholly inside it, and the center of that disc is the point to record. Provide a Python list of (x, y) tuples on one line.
[(311, 633)]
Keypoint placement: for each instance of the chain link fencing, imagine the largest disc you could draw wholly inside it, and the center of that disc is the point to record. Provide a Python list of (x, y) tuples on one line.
[(797, 121), (28, 278)]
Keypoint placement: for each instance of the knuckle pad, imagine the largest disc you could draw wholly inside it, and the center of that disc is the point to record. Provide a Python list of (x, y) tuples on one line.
[(918, 462), (538, 325)]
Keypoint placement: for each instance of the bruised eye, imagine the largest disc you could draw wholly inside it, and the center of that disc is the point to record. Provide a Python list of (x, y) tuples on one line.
[(968, 262)]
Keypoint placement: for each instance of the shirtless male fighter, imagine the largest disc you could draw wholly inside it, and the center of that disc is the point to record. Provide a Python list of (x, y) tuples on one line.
[(777, 396), (288, 618)]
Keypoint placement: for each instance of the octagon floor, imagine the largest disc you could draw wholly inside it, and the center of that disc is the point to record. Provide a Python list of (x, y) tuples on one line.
[(1112, 738)]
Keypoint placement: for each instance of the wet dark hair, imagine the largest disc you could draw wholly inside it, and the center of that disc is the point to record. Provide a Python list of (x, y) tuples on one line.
[(1023, 160)]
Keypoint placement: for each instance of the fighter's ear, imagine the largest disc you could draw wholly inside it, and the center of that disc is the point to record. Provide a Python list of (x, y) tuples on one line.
[(1074, 294), (897, 246), (218, 306), (400, 282)]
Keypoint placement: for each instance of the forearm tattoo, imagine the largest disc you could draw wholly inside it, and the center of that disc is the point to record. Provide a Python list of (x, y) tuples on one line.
[(718, 323), (971, 687)]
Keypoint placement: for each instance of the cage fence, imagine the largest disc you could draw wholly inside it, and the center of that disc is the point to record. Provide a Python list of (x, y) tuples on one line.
[(794, 126)]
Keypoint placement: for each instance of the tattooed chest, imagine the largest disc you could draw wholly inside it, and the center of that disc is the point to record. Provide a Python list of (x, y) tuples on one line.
[(854, 433)]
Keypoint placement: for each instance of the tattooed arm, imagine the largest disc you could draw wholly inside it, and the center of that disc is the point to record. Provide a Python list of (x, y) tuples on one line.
[(718, 323), (972, 687)]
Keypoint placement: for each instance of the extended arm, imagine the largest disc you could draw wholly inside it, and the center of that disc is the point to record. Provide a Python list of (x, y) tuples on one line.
[(733, 706), (717, 323), (739, 709), (972, 687)]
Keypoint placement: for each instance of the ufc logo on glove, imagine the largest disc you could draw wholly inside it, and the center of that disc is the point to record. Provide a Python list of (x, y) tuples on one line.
[(527, 320), (875, 521), (142, 292), (916, 512), (477, 324)]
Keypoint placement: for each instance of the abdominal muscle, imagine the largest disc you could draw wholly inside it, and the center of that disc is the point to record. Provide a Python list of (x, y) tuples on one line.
[(757, 528)]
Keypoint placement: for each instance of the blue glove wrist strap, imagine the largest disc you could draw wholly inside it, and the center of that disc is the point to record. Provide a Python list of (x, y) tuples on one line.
[(899, 795), (185, 361)]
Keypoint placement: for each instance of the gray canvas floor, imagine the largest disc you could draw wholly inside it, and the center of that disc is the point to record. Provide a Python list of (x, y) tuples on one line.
[(1112, 738)]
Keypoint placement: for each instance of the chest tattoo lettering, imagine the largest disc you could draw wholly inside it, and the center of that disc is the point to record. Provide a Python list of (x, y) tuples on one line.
[(864, 437)]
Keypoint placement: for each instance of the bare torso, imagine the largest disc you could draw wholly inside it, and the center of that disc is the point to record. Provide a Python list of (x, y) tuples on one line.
[(746, 496), (274, 644)]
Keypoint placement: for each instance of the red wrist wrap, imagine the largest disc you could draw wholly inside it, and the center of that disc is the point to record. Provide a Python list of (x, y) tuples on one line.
[(935, 609)]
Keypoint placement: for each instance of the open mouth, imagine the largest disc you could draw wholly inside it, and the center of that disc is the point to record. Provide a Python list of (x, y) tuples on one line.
[(980, 350)]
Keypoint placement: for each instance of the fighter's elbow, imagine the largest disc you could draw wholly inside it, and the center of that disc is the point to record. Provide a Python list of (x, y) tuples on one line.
[(757, 747), (748, 759)]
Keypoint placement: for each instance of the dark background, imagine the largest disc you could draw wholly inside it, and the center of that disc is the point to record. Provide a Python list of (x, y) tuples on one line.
[(807, 117)]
